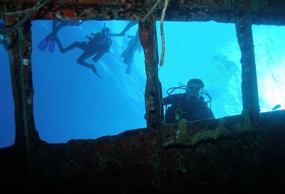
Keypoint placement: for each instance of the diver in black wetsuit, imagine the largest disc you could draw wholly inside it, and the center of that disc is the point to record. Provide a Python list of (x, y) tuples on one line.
[(190, 105), (96, 46), (133, 46)]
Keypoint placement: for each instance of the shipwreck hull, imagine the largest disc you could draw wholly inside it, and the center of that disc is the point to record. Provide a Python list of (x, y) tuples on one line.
[(249, 160)]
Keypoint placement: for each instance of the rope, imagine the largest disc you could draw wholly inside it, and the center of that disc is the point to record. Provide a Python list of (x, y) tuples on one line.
[(150, 12), (162, 32)]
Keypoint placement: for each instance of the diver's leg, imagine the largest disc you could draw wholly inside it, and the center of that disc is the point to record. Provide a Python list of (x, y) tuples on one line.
[(128, 26), (56, 26), (74, 45), (81, 61), (98, 55)]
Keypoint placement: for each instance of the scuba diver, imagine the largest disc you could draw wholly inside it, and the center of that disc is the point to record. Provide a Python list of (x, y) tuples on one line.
[(129, 52), (49, 41), (133, 45), (190, 105), (97, 45)]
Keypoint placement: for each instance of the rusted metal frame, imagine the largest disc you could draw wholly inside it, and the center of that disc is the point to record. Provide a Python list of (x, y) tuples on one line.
[(86, 9), (20, 48), (83, 2), (249, 78), (195, 10), (153, 93)]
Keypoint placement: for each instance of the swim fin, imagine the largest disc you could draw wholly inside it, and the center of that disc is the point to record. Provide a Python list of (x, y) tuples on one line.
[(51, 45), (93, 68), (43, 44)]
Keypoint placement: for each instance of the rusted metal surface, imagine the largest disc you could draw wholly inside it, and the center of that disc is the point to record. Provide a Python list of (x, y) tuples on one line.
[(249, 78), (228, 155), (127, 163), (153, 94), (19, 43), (19, 49), (262, 11)]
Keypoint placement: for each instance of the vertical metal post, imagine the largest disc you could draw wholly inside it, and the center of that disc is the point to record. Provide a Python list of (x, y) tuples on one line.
[(20, 48), (249, 78), (153, 94)]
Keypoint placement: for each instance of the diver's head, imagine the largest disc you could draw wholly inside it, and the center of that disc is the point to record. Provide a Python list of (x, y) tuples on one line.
[(105, 30), (194, 88)]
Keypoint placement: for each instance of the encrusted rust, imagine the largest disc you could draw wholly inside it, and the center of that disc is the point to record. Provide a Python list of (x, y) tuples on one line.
[(227, 155), (19, 43), (128, 163), (249, 78), (262, 11), (153, 94)]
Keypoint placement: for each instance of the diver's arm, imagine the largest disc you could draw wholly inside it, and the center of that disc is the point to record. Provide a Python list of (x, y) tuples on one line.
[(128, 26)]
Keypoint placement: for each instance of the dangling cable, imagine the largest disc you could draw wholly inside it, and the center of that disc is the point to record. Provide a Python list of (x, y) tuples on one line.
[(162, 32), (165, 5), (151, 11), (172, 89), (205, 93)]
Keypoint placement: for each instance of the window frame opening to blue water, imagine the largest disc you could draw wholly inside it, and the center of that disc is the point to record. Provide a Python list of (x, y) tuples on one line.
[(7, 117), (70, 101), (270, 66), (50, 136), (214, 58)]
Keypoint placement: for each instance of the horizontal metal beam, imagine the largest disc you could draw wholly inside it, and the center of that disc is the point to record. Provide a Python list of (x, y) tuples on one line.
[(262, 11)]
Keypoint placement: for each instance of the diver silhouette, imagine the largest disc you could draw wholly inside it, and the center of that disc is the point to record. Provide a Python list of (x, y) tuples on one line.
[(48, 43), (97, 45), (190, 105), (133, 46)]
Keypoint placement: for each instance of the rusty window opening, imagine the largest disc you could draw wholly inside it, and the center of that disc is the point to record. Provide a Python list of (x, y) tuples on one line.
[(268, 44), (7, 122), (213, 57), (243, 15), (72, 102)]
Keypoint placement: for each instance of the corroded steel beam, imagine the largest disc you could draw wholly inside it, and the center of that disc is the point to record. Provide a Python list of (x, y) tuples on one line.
[(20, 49), (153, 94), (126, 163), (262, 11), (249, 78)]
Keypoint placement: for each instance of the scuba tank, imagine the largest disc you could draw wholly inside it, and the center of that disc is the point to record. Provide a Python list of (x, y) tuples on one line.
[(204, 94)]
